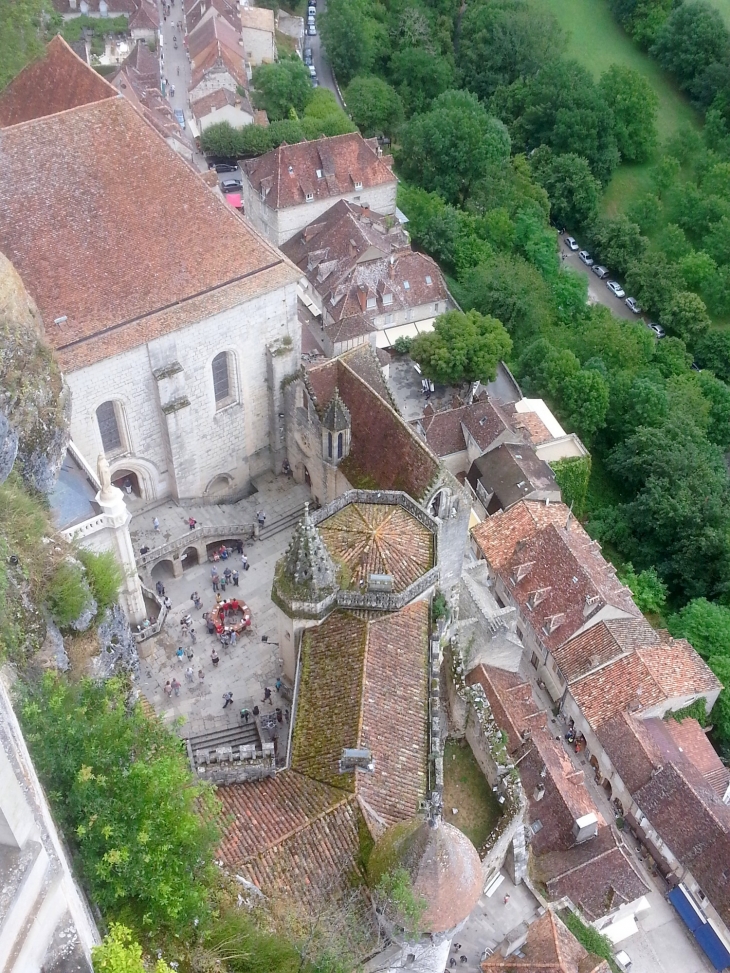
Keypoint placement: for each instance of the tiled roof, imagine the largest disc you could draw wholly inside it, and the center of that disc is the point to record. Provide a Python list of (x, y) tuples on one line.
[(444, 430), (678, 669), (125, 272), (56, 82), (555, 568), (625, 683), (343, 160), (630, 749), (550, 948), (485, 421), (366, 364), (598, 875), (511, 700), (195, 9), (692, 820), (214, 41), (379, 539), (265, 813), (512, 471), (384, 449), (350, 255), (602, 642), (359, 676), (146, 16), (213, 100), (686, 743), (257, 18), (532, 426)]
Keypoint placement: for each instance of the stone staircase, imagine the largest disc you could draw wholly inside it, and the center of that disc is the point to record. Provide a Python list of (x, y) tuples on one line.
[(241, 735)]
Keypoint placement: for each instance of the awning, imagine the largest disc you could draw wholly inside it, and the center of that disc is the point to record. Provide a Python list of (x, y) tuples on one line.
[(700, 927), (235, 200), (402, 331)]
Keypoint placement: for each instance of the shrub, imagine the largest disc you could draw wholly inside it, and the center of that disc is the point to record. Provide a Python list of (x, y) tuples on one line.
[(67, 594), (573, 475), (402, 345), (104, 576)]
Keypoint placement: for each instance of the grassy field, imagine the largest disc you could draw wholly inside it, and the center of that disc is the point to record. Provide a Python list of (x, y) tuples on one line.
[(466, 788)]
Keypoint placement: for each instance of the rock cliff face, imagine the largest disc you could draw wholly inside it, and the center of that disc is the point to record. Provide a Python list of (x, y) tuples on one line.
[(35, 406)]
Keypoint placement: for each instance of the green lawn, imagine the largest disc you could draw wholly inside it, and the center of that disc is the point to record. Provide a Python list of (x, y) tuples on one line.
[(597, 41), (467, 789)]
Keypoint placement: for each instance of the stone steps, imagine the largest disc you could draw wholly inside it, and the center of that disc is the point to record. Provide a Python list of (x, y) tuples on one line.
[(232, 736)]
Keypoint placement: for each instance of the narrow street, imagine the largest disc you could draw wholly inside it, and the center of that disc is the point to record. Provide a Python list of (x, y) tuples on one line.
[(598, 293), (174, 66), (321, 64)]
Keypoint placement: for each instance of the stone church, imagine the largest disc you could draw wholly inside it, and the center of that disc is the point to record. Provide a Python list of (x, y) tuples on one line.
[(173, 321)]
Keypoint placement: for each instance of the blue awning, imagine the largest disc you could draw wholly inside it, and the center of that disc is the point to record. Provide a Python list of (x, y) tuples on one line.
[(696, 921)]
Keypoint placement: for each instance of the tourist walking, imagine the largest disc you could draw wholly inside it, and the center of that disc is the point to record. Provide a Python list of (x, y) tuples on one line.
[(234, 636), (160, 589), (228, 699), (175, 687), (267, 696), (201, 676), (234, 575), (245, 715), (214, 657), (244, 562), (180, 654), (261, 518), (156, 525), (215, 580), (189, 674), (168, 688), (192, 522), (278, 684)]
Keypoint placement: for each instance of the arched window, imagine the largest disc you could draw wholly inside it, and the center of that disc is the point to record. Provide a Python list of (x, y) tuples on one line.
[(329, 445), (339, 445), (221, 377), (111, 437)]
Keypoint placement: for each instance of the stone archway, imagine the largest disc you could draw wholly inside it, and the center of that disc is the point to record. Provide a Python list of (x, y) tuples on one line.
[(163, 571), (128, 483), (437, 505), (140, 475), (219, 485), (189, 558)]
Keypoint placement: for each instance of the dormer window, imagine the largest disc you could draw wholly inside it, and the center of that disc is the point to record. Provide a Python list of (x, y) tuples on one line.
[(371, 303), (387, 298), (319, 173), (358, 185), (406, 285), (428, 280), (309, 197)]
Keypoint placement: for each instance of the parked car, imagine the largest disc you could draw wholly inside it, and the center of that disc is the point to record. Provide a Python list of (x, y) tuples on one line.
[(311, 30), (231, 185), (310, 19), (311, 10), (615, 288), (600, 271), (633, 305), (224, 167), (657, 329), (312, 71), (586, 258), (307, 55), (180, 118), (571, 243), (315, 83)]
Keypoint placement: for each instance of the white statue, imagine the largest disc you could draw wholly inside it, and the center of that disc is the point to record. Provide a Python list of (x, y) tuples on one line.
[(105, 478)]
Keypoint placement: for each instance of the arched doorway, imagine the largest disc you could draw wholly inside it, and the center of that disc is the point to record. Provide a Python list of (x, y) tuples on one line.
[(219, 485), (213, 550), (189, 558), (437, 505), (162, 571), (128, 483)]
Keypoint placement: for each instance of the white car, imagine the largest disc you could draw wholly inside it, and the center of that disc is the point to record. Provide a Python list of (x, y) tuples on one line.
[(615, 288), (311, 30), (571, 243), (657, 329), (633, 305), (586, 258)]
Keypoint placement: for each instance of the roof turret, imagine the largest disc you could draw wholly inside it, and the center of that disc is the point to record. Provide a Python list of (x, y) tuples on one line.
[(336, 416), (307, 561)]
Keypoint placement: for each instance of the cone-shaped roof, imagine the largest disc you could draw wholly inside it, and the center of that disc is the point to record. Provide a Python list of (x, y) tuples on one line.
[(336, 416), (307, 561), (443, 865)]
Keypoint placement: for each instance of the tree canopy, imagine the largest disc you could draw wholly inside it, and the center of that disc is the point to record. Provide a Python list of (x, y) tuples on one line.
[(634, 104), (282, 88), (375, 106), (463, 347)]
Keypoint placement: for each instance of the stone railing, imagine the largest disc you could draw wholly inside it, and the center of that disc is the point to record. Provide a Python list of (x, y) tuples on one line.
[(156, 627), (86, 527), (230, 765), (388, 600), (192, 537)]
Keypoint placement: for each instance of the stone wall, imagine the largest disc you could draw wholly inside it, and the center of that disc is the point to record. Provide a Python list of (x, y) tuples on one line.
[(175, 439)]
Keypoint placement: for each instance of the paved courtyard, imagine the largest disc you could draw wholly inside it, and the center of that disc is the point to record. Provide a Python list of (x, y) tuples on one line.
[(249, 666)]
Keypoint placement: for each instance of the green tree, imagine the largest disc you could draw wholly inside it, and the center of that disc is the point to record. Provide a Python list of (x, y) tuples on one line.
[(122, 790), (453, 145), (686, 316), (463, 347), (585, 403), (717, 393), (281, 87), (649, 591), (510, 289), (618, 242), (375, 106), (420, 77), (573, 476), (692, 38), (25, 26), (572, 188), (705, 624), (697, 269), (349, 36), (563, 108), (634, 104), (119, 953), (646, 211), (653, 281), (635, 401), (712, 351), (504, 40), (671, 357)]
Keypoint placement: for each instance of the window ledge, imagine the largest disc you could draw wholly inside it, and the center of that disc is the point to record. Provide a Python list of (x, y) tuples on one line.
[(225, 404)]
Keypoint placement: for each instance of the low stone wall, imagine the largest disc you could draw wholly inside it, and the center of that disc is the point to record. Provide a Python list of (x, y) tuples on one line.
[(472, 718)]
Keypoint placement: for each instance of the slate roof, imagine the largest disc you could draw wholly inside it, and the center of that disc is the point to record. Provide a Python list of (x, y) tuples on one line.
[(563, 570), (125, 272), (56, 82), (444, 431), (550, 948), (511, 472), (344, 160), (375, 538), (384, 449)]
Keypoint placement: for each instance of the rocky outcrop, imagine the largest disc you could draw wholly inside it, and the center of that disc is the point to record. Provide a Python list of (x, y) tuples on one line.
[(35, 406), (118, 647)]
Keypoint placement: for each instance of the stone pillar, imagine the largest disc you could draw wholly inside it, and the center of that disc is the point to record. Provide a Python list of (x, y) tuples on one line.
[(111, 502)]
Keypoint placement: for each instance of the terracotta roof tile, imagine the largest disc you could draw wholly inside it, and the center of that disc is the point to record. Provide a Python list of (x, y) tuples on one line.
[(444, 430), (511, 700), (602, 642), (532, 426), (342, 159), (56, 82), (558, 571), (125, 272), (686, 743), (215, 42), (550, 948), (625, 683), (678, 669), (214, 99), (630, 749), (195, 9), (379, 539), (257, 18)]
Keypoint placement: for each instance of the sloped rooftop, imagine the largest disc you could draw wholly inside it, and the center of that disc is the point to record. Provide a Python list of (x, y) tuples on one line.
[(550, 948)]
